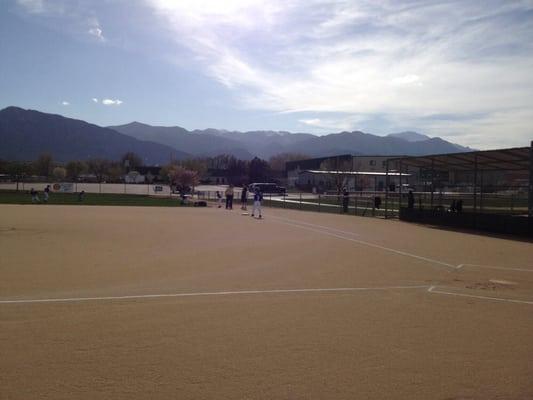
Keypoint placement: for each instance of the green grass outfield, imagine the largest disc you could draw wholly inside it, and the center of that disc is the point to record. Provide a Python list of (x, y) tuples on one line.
[(95, 199)]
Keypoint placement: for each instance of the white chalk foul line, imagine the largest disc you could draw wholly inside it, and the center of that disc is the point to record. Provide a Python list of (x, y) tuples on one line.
[(494, 267), (316, 226), (377, 246), (196, 294), (433, 289)]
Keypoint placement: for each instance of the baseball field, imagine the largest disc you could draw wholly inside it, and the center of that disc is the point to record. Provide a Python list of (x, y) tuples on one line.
[(103, 302)]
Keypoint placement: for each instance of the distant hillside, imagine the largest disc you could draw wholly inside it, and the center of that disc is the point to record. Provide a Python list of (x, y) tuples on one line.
[(418, 137), (265, 144), (25, 134)]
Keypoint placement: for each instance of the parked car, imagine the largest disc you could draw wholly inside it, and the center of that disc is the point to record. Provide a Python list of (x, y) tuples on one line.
[(267, 188)]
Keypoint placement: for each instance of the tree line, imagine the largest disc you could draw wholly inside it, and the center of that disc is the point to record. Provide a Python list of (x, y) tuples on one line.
[(187, 173)]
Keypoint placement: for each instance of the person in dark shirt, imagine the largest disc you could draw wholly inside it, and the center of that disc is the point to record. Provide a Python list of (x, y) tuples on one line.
[(46, 193), (410, 200), (345, 200), (34, 196), (244, 197)]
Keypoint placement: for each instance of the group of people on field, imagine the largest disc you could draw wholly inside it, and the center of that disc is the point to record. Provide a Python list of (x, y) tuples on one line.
[(35, 195), (230, 193)]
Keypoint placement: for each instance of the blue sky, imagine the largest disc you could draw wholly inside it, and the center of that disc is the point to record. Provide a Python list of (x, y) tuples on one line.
[(461, 70)]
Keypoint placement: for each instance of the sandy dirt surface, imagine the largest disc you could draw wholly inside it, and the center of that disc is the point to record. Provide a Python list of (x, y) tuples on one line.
[(136, 303)]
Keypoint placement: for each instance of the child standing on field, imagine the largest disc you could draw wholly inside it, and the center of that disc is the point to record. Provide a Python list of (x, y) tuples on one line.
[(258, 198), (46, 193), (34, 196)]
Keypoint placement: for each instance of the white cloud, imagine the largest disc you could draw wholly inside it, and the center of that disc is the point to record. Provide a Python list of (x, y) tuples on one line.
[(32, 6), (95, 29), (65, 103), (43, 7), (111, 102), (311, 121), (404, 61), (95, 100)]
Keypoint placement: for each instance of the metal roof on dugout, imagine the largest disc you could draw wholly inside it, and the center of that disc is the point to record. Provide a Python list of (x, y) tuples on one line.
[(517, 161), (513, 159)]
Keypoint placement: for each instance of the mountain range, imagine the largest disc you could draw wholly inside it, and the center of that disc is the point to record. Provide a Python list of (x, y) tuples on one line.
[(265, 144), (25, 134)]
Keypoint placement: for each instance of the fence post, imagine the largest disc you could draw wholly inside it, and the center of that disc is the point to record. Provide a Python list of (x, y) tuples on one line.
[(319, 203), (387, 189), (300, 200), (355, 205)]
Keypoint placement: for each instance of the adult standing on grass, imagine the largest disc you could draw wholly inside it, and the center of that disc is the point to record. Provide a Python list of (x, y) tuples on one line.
[(244, 197), (229, 197), (258, 198), (46, 193)]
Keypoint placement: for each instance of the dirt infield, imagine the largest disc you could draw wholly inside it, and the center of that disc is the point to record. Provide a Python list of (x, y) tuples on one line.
[(136, 303)]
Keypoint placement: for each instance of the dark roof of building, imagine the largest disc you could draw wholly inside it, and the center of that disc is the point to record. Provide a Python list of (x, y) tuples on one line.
[(512, 159), (313, 162), (355, 173), (143, 170)]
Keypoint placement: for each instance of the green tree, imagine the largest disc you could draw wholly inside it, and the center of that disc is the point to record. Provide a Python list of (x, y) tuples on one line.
[(259, 170), (168, 172), (75, 169), (59, 173), (44, 165), (115, 171), (18, 170), (130, 161)]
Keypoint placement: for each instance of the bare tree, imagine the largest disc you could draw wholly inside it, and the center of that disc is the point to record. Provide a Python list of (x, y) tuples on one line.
[(277, 162), (99, 167), (337, 171)]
